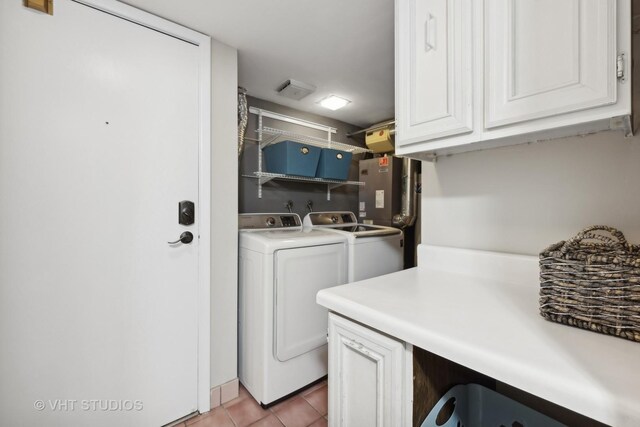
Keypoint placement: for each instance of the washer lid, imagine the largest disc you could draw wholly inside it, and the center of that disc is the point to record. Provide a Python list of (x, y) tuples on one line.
[(346, 222), (366, 230), (268, 241)]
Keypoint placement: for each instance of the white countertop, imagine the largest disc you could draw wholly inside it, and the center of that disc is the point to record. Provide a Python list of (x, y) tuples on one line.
[(480, 309)]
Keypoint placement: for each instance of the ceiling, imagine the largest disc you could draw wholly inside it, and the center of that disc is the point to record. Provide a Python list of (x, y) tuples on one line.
[(343, 47)]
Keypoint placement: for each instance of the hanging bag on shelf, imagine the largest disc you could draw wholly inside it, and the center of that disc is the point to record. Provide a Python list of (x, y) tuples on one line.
[(592, 281)]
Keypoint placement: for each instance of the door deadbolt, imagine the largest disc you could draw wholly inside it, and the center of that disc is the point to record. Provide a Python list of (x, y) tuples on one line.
[(186, 212)]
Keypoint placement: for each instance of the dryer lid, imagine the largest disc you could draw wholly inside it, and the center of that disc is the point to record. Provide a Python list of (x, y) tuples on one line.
[(269, 241)]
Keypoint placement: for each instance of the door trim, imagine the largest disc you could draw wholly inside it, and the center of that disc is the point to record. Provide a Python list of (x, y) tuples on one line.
[(203, 42)]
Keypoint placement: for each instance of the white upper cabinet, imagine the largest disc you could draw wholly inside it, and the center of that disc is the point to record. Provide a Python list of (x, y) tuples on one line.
[(548, 57), (476, 74), (435, 68)]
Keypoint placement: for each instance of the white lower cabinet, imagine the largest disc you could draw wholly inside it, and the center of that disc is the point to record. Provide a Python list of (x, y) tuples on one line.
[(370, 377)]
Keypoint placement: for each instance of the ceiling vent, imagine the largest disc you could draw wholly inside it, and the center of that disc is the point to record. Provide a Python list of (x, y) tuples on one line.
[(294, 89)]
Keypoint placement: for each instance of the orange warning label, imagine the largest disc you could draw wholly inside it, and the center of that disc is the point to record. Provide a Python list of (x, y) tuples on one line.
[(383, 161)]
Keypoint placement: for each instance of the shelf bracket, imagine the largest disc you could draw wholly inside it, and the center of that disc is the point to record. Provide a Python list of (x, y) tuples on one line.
[(332, 187), (261, 181), (265, 142), (336, 185), (265, 179)]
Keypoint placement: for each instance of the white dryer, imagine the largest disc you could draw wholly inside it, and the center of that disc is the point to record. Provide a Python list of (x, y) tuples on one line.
[(282, 331), (374, 250)]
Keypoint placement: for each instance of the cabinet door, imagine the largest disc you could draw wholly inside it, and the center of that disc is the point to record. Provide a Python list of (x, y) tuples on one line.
[(433, 69), (367, 377), (548, 57)]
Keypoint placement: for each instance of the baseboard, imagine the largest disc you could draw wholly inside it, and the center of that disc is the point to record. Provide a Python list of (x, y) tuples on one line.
[(224, 393)]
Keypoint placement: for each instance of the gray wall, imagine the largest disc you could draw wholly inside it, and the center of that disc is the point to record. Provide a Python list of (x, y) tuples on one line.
[(520, 199), (276, 193)]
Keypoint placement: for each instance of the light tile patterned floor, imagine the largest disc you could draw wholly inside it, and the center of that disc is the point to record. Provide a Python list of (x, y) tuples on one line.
[(306, 409)]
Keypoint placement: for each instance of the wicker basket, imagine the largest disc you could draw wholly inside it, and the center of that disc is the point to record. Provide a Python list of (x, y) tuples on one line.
[(592, 281)]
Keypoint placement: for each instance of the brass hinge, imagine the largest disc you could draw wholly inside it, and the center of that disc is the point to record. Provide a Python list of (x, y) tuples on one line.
[(620, 67), (45, 6)]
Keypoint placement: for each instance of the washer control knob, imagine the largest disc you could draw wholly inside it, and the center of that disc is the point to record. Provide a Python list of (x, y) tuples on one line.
[(271, 221), (334, 219)]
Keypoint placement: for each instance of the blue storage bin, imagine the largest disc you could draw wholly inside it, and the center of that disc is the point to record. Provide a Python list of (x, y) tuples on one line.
[(334, 164), (292, 158), (478, 406)]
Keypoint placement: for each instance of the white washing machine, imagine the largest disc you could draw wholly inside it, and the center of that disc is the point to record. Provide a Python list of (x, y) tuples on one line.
[(374, 250), (282, 331)]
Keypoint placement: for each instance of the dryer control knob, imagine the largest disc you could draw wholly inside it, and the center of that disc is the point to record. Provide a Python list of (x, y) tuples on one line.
[(271, 221)]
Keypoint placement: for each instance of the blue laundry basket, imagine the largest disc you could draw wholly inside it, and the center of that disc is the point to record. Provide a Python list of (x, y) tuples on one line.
[(478, 406), (334, 164), (292, 158)]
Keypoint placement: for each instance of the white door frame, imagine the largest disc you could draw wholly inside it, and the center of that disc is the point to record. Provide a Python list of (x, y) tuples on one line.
[(203, 43)]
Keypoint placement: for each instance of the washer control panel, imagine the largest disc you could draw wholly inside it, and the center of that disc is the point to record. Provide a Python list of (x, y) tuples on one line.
[(267, 221), (331, 218)]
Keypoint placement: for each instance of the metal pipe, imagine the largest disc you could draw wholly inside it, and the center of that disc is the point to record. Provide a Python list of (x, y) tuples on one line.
[(289, 206), (243, 118), (375, 127), (407, 216)]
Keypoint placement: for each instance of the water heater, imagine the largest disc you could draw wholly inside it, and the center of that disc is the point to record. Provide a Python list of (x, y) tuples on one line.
[(380, 198)]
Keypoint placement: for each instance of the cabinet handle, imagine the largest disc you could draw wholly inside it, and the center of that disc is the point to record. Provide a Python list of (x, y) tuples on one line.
[(360, 348), (430, 33)]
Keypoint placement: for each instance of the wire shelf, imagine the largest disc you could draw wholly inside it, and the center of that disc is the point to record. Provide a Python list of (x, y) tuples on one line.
[(265, 177), (268, 135), (273, 136)]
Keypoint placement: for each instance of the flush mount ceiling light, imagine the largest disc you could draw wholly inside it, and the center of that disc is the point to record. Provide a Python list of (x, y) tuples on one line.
[(333, 102)]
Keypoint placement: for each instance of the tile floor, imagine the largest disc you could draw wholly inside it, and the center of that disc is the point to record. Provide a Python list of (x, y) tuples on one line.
[(306, 409)]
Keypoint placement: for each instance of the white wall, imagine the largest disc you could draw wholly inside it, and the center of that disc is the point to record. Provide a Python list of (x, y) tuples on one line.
[(224, 215), (522, 198)]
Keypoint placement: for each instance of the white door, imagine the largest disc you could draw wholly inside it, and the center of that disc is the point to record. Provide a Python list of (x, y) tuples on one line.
[(99, 140), (434, 69), (548, 57)]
